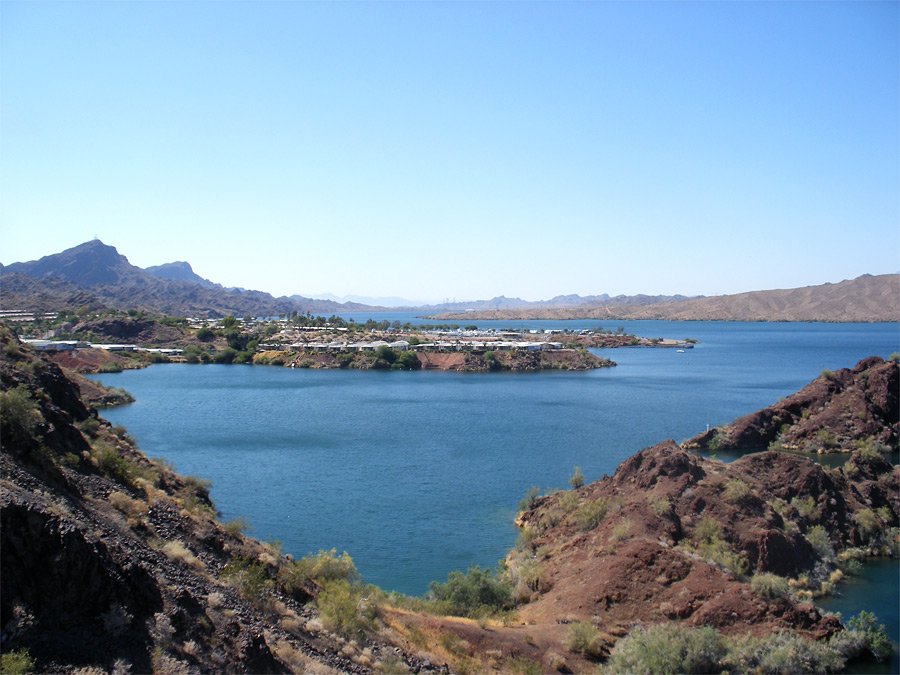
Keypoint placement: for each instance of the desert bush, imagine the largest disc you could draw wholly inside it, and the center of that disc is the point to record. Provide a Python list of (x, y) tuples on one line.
[(577, 478), (873, 635), (826, 439), (16, 662), (112, 463), (668, 648), (237, 526), (249, 577), (806, 507), (736, 490), (321, 567), (591, 514), (769, 586), (783, 653), (868, 522), (708, 529), (19, 414), (818, 538), (622, 530), (661, 506), (583, 638), (710, 545), (528, 501), (568, 502), (871, 447), (89, 426), (472, 593), (345, 609)]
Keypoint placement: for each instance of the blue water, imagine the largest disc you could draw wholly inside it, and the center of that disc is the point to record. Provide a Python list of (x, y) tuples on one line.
[(416, 474)]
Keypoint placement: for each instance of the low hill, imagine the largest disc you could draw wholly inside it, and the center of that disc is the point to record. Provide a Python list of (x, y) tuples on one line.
[(106, 276), (866, 298), (838, 411)]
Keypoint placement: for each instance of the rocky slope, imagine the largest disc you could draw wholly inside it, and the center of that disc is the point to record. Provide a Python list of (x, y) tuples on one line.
[(866, 298), (838, 411), (112, 561)]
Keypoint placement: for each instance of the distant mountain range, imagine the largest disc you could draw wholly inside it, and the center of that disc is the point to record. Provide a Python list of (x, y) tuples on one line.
[(97, 276), (866, 298)]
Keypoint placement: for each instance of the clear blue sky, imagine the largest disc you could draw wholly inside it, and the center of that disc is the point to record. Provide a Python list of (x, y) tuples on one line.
[(458, 150)]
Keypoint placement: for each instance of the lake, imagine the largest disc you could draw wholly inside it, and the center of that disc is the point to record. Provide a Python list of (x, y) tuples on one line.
[(416, 474)]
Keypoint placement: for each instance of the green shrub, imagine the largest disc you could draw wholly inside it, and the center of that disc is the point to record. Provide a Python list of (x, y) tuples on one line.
[(769, 586), (583, 638), (826, 439), (707, 530), (868, 522), (528, 501), (19, 414), (249, 577), (668, 648), (236, 526), (806, 507), (568, 502), (472, 593), (408, 361), (782, 653), (577, 478), (112, 463), (661, 506), (345, 609), (818, 538), (736, 490), (873, 635), (321, 567), (110, 367), (591, 514), (17, 662), (385, 353), (871, 447), (225, 355)]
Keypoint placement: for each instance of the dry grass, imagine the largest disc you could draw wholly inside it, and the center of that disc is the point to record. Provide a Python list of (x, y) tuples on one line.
[(134, 510), (176, 550)]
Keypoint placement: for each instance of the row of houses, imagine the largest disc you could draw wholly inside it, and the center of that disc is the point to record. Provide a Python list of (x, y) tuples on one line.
[(72, 345), (403, 345)]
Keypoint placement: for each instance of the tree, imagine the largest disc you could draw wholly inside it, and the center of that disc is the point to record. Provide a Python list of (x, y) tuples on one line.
[(229, 321)]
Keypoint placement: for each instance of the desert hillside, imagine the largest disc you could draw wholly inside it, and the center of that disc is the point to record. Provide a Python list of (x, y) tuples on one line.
[(864, 299)]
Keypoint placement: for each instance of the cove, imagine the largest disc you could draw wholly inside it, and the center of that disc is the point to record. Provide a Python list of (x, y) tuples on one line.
[(416, 474)]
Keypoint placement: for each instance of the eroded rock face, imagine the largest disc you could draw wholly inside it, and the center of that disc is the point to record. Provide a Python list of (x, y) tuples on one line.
[(832, 413)]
